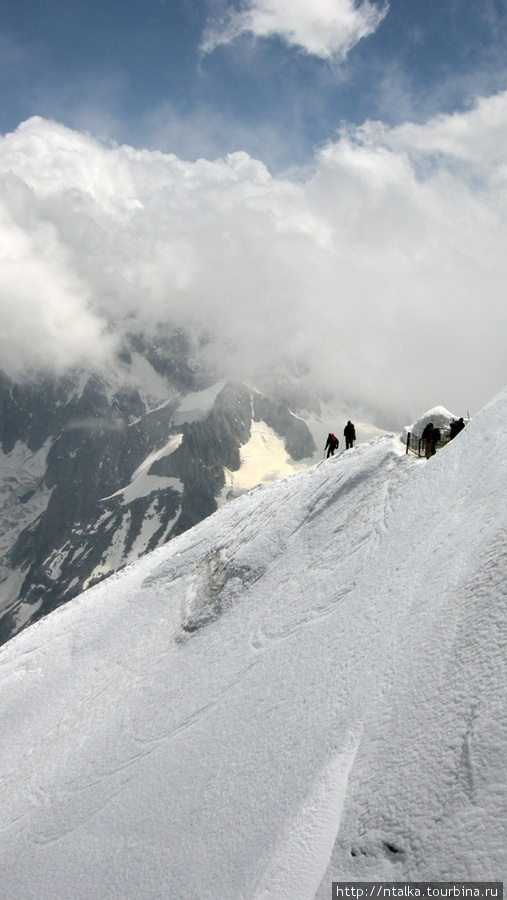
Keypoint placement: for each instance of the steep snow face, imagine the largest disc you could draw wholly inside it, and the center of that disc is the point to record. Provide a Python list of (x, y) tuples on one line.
[(196, 406), (307, 686), (142, 484)]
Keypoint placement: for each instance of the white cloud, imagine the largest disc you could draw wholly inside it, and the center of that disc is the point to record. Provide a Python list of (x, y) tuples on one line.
[(382, 270), (45, 314), (478, 137), (323, 28)]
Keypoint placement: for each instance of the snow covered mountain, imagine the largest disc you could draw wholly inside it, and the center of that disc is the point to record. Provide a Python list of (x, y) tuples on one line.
[(307, 686), (96, 471)]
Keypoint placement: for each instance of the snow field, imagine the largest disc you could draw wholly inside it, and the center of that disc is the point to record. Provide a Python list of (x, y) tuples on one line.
[(308, 686)]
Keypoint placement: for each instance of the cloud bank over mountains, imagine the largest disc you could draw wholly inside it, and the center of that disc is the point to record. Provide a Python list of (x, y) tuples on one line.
[(380, 269), (323, 28)]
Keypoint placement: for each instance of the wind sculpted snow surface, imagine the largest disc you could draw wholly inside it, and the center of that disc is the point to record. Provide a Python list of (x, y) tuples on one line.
[(307, 686)]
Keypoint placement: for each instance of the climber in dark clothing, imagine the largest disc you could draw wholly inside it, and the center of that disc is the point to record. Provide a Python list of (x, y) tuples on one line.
[(427, 439), (435, 437), (332, 444), (456, 427), (350, 435)]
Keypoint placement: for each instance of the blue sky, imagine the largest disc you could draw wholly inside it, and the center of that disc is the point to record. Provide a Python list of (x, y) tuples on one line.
[(136, 72)]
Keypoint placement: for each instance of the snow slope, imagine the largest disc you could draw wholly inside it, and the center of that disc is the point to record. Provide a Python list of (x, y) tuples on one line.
[(307, 686)]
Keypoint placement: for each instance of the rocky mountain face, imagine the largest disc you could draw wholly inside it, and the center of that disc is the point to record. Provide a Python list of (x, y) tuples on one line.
[(97, 471)]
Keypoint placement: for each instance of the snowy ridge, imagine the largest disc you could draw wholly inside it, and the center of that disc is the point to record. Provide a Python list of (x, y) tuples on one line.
[(307, 686)]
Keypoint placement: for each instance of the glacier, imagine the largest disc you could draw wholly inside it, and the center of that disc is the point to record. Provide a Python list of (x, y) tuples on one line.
[(307, 686)]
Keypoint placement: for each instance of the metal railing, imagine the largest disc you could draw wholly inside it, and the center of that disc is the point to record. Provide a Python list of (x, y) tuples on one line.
[(416, 444)]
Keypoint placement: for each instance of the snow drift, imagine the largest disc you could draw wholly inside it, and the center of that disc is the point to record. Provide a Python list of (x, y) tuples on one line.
[(308, 686)]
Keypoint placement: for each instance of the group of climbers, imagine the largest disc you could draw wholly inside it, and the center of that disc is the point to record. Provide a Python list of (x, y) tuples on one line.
[(455, 427), (333, 443), (430, 437)]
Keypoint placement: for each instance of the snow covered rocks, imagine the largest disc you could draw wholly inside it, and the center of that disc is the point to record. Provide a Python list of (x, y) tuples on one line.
[(307, 686), (96, 472)]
